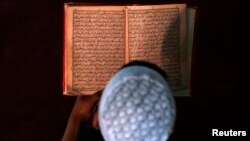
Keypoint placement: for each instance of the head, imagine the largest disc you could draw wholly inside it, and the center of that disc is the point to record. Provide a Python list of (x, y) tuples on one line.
[(136, 104)]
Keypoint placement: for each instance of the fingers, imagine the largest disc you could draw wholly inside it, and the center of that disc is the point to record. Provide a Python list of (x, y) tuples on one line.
[(90, 98), (99, 93), (96, 96)]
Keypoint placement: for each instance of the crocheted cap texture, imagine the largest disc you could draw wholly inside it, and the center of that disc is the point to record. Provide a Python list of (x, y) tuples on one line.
[(137, 105)]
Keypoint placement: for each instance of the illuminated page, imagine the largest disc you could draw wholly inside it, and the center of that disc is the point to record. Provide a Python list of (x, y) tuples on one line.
[(157, 34), (95, 46)]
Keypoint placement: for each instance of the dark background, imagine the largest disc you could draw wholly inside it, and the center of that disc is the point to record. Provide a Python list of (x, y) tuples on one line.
[(33, 108)]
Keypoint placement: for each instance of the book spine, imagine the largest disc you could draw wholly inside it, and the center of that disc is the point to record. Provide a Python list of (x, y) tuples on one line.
[(126, 36)]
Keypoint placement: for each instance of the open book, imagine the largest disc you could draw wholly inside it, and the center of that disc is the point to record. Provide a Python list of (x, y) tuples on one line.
[(99, 40)]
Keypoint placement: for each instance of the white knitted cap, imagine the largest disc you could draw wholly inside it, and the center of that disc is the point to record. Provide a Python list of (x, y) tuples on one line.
[(137, 105)]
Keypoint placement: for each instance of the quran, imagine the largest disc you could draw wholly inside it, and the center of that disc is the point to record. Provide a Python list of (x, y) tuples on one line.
[(99, 40)]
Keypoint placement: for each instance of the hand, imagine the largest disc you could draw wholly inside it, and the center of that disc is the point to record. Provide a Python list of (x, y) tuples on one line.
[(81, 112), (83, 107)]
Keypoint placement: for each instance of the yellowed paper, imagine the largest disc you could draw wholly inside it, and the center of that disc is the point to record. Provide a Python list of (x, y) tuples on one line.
[(95, 47), (157, 34)]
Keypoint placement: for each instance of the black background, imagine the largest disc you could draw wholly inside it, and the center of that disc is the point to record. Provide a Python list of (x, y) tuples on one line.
[(33, 108)]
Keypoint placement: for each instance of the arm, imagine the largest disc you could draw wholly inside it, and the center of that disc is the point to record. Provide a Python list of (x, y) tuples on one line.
[(80, 114)]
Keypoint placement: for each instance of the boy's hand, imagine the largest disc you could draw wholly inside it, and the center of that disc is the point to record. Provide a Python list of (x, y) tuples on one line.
[(80, 113), (83, 107)]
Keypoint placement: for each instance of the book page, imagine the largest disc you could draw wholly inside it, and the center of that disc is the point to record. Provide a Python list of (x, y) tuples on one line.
[(95, 42), (157, 34)]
